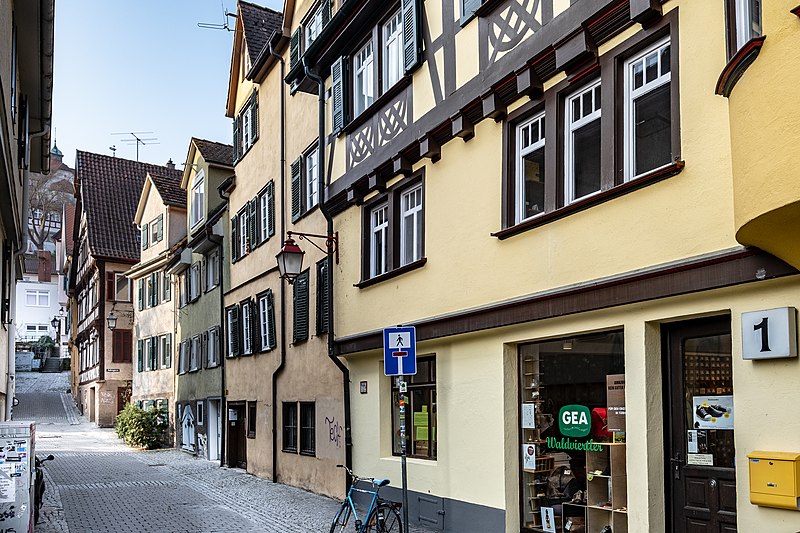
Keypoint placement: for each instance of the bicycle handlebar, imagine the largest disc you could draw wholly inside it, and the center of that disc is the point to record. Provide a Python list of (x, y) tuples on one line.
[(356, 478)]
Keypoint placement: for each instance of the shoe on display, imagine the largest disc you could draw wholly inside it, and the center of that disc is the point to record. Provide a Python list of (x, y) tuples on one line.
[(716, 413), (702, 413), (719, 408)]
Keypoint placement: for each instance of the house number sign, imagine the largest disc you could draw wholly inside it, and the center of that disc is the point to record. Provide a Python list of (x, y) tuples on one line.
[(769, 334)]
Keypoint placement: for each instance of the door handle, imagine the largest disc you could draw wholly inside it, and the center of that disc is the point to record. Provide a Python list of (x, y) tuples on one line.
[(676, 463), (713, 483)]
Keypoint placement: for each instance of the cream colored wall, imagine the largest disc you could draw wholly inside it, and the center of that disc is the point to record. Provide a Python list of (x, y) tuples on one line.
[(154, 206), (765, 122), (155, 321), (477, 406), (646, 227)]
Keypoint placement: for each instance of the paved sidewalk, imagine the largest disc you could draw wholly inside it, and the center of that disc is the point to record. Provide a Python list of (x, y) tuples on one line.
[(98, 484)]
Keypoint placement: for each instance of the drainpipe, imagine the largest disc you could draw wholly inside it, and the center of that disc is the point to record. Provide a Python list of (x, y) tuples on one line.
[(220, 242), (279, 370), (325, 210)]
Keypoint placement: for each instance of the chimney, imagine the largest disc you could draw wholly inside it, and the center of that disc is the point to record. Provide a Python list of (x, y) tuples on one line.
[(170, 165), (45, 267)]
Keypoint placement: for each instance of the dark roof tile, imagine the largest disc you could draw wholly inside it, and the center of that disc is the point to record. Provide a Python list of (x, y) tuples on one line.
[(170, 190), (214, 152), (110, 190), (259, 24)]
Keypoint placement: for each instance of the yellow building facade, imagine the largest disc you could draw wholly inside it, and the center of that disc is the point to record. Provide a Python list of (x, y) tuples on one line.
[(558, 198)]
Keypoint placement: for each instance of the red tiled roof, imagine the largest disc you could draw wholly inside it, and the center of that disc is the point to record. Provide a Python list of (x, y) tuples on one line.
[(214, 152), (68, 225), (110, 191), (259, 24), (170, 190)]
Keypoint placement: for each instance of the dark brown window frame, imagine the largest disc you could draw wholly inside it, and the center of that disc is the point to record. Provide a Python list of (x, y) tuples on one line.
[(391, 196), (731, 31), (611, 75), (289, 428), (306, 448)]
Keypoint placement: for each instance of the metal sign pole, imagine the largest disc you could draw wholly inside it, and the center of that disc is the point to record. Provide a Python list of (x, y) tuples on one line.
[(402, 390)]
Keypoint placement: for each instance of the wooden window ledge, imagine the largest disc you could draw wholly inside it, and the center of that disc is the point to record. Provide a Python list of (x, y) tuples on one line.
[(392, 273), (738, 64)]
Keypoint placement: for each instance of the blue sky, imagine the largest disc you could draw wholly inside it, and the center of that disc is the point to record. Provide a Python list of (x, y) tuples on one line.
[(141, 66)]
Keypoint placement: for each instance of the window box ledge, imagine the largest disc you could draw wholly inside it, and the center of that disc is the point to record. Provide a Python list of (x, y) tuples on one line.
[(391, 274), (737, 65), (593, 200), (378, 104)]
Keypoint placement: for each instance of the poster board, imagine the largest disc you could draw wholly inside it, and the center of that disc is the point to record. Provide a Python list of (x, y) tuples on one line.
[(615, 402)]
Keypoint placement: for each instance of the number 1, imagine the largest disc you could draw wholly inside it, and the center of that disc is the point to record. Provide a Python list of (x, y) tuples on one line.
[(763, 326)]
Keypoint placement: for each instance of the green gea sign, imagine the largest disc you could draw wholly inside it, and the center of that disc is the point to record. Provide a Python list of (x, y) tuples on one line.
[(574, 421)]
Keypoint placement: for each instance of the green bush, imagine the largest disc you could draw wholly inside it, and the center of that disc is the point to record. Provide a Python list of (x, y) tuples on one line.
[(141, 428)]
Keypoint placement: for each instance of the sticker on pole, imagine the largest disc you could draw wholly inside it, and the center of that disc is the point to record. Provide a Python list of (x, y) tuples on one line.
[(400, 351)]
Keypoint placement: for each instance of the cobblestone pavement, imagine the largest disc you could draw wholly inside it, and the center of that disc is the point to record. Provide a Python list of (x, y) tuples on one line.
[(97, 484)]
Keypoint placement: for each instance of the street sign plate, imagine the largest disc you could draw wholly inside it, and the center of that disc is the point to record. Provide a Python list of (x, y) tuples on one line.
[(400, 351)]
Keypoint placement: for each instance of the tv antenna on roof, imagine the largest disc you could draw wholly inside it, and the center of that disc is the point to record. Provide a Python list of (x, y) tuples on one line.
[(224, 25), (137, 138)]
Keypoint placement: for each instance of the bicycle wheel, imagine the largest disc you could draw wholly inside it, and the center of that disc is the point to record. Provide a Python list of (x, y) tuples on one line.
[(384, 518), (342, 517)]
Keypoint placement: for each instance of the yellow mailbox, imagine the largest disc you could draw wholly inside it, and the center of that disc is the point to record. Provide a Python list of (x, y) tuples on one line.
[(775, 479)]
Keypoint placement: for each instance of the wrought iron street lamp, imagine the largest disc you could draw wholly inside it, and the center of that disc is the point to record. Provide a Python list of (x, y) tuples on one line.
[(290, 258), (112, 320), (55, 322)]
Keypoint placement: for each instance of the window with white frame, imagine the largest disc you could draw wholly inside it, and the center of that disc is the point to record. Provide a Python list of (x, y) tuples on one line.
[(244, 215), (166, 350), (648, 111), (247, 137), (582, 164), (197, 206), (183, 357), (122, 286), (529, 190), (247, 329), (264, 216), (411, 225), (313, 26), (393, 64), (37, 298), (213, 347), (379, 246), (166, 284), (311, 168), (363, 79), (194, 282), (212, 270), (194, 353), (748, 20)]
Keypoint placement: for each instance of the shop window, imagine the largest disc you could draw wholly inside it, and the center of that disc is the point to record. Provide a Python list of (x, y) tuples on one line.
[(529, 185), (251, 420), (420, 411), (572, 431), (289, 417), (582, 147), (307, 429), (648, 112)]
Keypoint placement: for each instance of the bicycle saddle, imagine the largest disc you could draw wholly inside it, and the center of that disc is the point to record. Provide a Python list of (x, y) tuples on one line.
[(382, 482)]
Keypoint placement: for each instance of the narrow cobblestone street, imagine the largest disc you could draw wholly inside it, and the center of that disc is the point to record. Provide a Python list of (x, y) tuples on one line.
[(97, 484)]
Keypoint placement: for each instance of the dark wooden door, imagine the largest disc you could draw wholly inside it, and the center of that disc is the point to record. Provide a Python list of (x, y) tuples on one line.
[(123, 395), (237, 438), (701, 480)]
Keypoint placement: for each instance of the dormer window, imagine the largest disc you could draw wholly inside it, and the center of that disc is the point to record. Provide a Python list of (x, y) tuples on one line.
[(197, 207)]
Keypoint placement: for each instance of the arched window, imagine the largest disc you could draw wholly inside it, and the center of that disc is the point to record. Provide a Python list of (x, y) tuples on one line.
[(187, 429)]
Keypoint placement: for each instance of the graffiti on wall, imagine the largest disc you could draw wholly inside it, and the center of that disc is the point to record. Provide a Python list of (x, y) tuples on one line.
[(202, 443), (330, 435), (335, 432)]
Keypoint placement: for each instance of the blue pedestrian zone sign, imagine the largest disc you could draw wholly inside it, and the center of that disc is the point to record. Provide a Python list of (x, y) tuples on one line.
[(400, 351)]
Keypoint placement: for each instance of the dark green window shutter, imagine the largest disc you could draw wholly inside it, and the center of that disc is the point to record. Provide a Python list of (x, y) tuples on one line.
[(294, 47), (252, 236), (234, 238), (468, 8), (168, 350), (300, 288), (338, 81), (237, 147), (234, 330), (140, 299), (203, 275), (140, 347), (153, 353), (254, 117), (322, 297), (412, 34), (156, 277), (271, 208), (271, 319), (297, 192), (255, 327), (326, 12)]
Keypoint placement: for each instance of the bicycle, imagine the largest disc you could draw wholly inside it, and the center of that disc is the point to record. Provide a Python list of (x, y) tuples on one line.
[(382, 516)]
